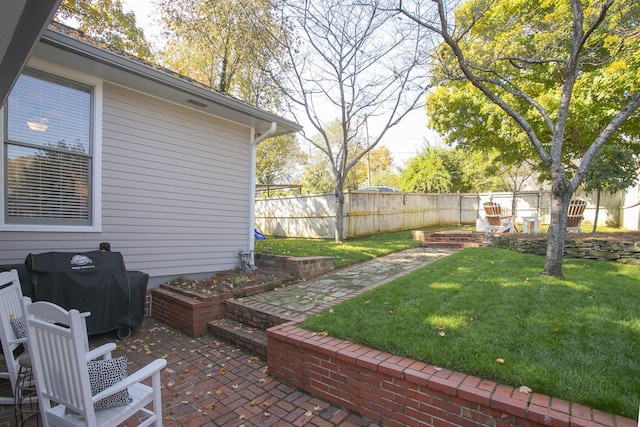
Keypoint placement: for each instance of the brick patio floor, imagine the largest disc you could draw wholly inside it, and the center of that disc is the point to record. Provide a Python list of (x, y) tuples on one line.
[(211, 383)]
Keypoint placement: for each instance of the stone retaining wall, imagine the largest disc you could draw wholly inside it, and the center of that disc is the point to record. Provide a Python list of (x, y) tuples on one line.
[(624, 252), (396, 391)]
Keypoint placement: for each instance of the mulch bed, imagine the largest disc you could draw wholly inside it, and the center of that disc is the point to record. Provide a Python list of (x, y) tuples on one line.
[(227, 281)]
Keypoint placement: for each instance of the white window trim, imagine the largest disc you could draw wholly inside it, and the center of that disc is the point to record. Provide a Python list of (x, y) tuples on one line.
[(96, 209)]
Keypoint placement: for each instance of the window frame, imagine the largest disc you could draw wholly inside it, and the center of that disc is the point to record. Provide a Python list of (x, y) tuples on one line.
[(73, 79)]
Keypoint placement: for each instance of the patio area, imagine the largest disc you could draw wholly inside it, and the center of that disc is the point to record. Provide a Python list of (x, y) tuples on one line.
[(208, 382), (211, 383)]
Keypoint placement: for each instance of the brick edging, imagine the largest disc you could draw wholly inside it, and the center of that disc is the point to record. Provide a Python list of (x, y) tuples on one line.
[(397, 391)]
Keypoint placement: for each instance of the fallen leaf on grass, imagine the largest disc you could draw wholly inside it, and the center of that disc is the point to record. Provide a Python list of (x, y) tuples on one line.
[(500, 360)]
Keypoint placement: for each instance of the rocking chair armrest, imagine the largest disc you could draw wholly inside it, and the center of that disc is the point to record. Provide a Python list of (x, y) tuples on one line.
[(103, 351), (136, 377)]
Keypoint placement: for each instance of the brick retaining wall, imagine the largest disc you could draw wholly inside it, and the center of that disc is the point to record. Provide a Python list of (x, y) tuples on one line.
[(396, 391), (302, 267), (189, 312)]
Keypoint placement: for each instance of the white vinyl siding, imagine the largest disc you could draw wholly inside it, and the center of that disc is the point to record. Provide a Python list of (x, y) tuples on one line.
[(176, 185), (175, 190)]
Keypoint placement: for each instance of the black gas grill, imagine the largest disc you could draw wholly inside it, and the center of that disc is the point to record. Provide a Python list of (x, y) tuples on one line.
[(95, 281)]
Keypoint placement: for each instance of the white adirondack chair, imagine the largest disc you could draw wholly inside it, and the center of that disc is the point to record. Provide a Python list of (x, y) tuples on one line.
[(10, 308), (575, 214), (62, 369), (496, 221)]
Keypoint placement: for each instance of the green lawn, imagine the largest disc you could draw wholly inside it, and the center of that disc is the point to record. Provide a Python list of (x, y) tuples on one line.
[(488, 312), (347, 253)]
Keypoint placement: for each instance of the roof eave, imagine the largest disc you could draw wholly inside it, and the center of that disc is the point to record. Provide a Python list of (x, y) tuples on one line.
[(142, 70)]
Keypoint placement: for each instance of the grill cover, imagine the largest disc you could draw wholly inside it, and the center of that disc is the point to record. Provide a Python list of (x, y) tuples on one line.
[(90, 281)]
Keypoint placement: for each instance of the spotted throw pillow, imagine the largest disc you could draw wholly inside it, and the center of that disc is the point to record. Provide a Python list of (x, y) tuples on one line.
[(20, 328), (104, 374)]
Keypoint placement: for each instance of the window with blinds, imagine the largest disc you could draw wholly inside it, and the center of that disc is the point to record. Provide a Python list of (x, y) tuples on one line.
[(48, 156)]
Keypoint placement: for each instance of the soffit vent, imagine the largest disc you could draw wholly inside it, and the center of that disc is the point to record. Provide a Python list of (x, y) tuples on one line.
[(196, 103)]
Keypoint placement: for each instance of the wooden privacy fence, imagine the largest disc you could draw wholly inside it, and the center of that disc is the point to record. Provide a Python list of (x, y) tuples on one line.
[(367, 213)]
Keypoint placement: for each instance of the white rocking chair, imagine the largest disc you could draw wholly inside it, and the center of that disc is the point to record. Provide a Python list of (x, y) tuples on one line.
[(66, 375), (10, 309)]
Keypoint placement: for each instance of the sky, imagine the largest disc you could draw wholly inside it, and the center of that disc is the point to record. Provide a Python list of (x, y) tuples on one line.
[(404, 140)]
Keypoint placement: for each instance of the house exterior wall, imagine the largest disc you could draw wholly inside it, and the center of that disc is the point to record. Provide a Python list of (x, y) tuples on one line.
[(175, 191)]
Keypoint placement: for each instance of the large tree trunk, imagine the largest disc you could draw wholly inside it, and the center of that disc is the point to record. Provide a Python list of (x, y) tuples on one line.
[(560, 198), (339, 231)]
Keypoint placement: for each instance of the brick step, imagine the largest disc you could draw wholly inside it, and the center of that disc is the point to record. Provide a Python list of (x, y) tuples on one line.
[(456, 234), (451, 239), (451, 245), (245, 326), (253, 316), (251, 339)]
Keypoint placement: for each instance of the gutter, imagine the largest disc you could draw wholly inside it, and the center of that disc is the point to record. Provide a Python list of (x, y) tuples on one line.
[(252, 191)]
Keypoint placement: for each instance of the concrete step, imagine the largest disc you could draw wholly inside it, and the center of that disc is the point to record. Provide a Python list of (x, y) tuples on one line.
[(251, 339)]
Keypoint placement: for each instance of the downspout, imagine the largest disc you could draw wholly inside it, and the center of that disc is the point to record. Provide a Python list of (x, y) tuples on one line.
[(252, 199)]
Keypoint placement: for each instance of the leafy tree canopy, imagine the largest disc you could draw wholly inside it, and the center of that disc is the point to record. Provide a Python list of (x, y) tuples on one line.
[(374, 168), (227, 45), (520, 48), (450, 170), (105, 20), (279, 160)]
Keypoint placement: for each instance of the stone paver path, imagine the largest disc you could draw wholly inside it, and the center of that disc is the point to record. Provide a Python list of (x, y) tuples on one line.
[(332, 288)]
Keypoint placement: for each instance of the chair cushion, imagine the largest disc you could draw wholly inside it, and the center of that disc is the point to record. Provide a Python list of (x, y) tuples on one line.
[(104, 374)]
